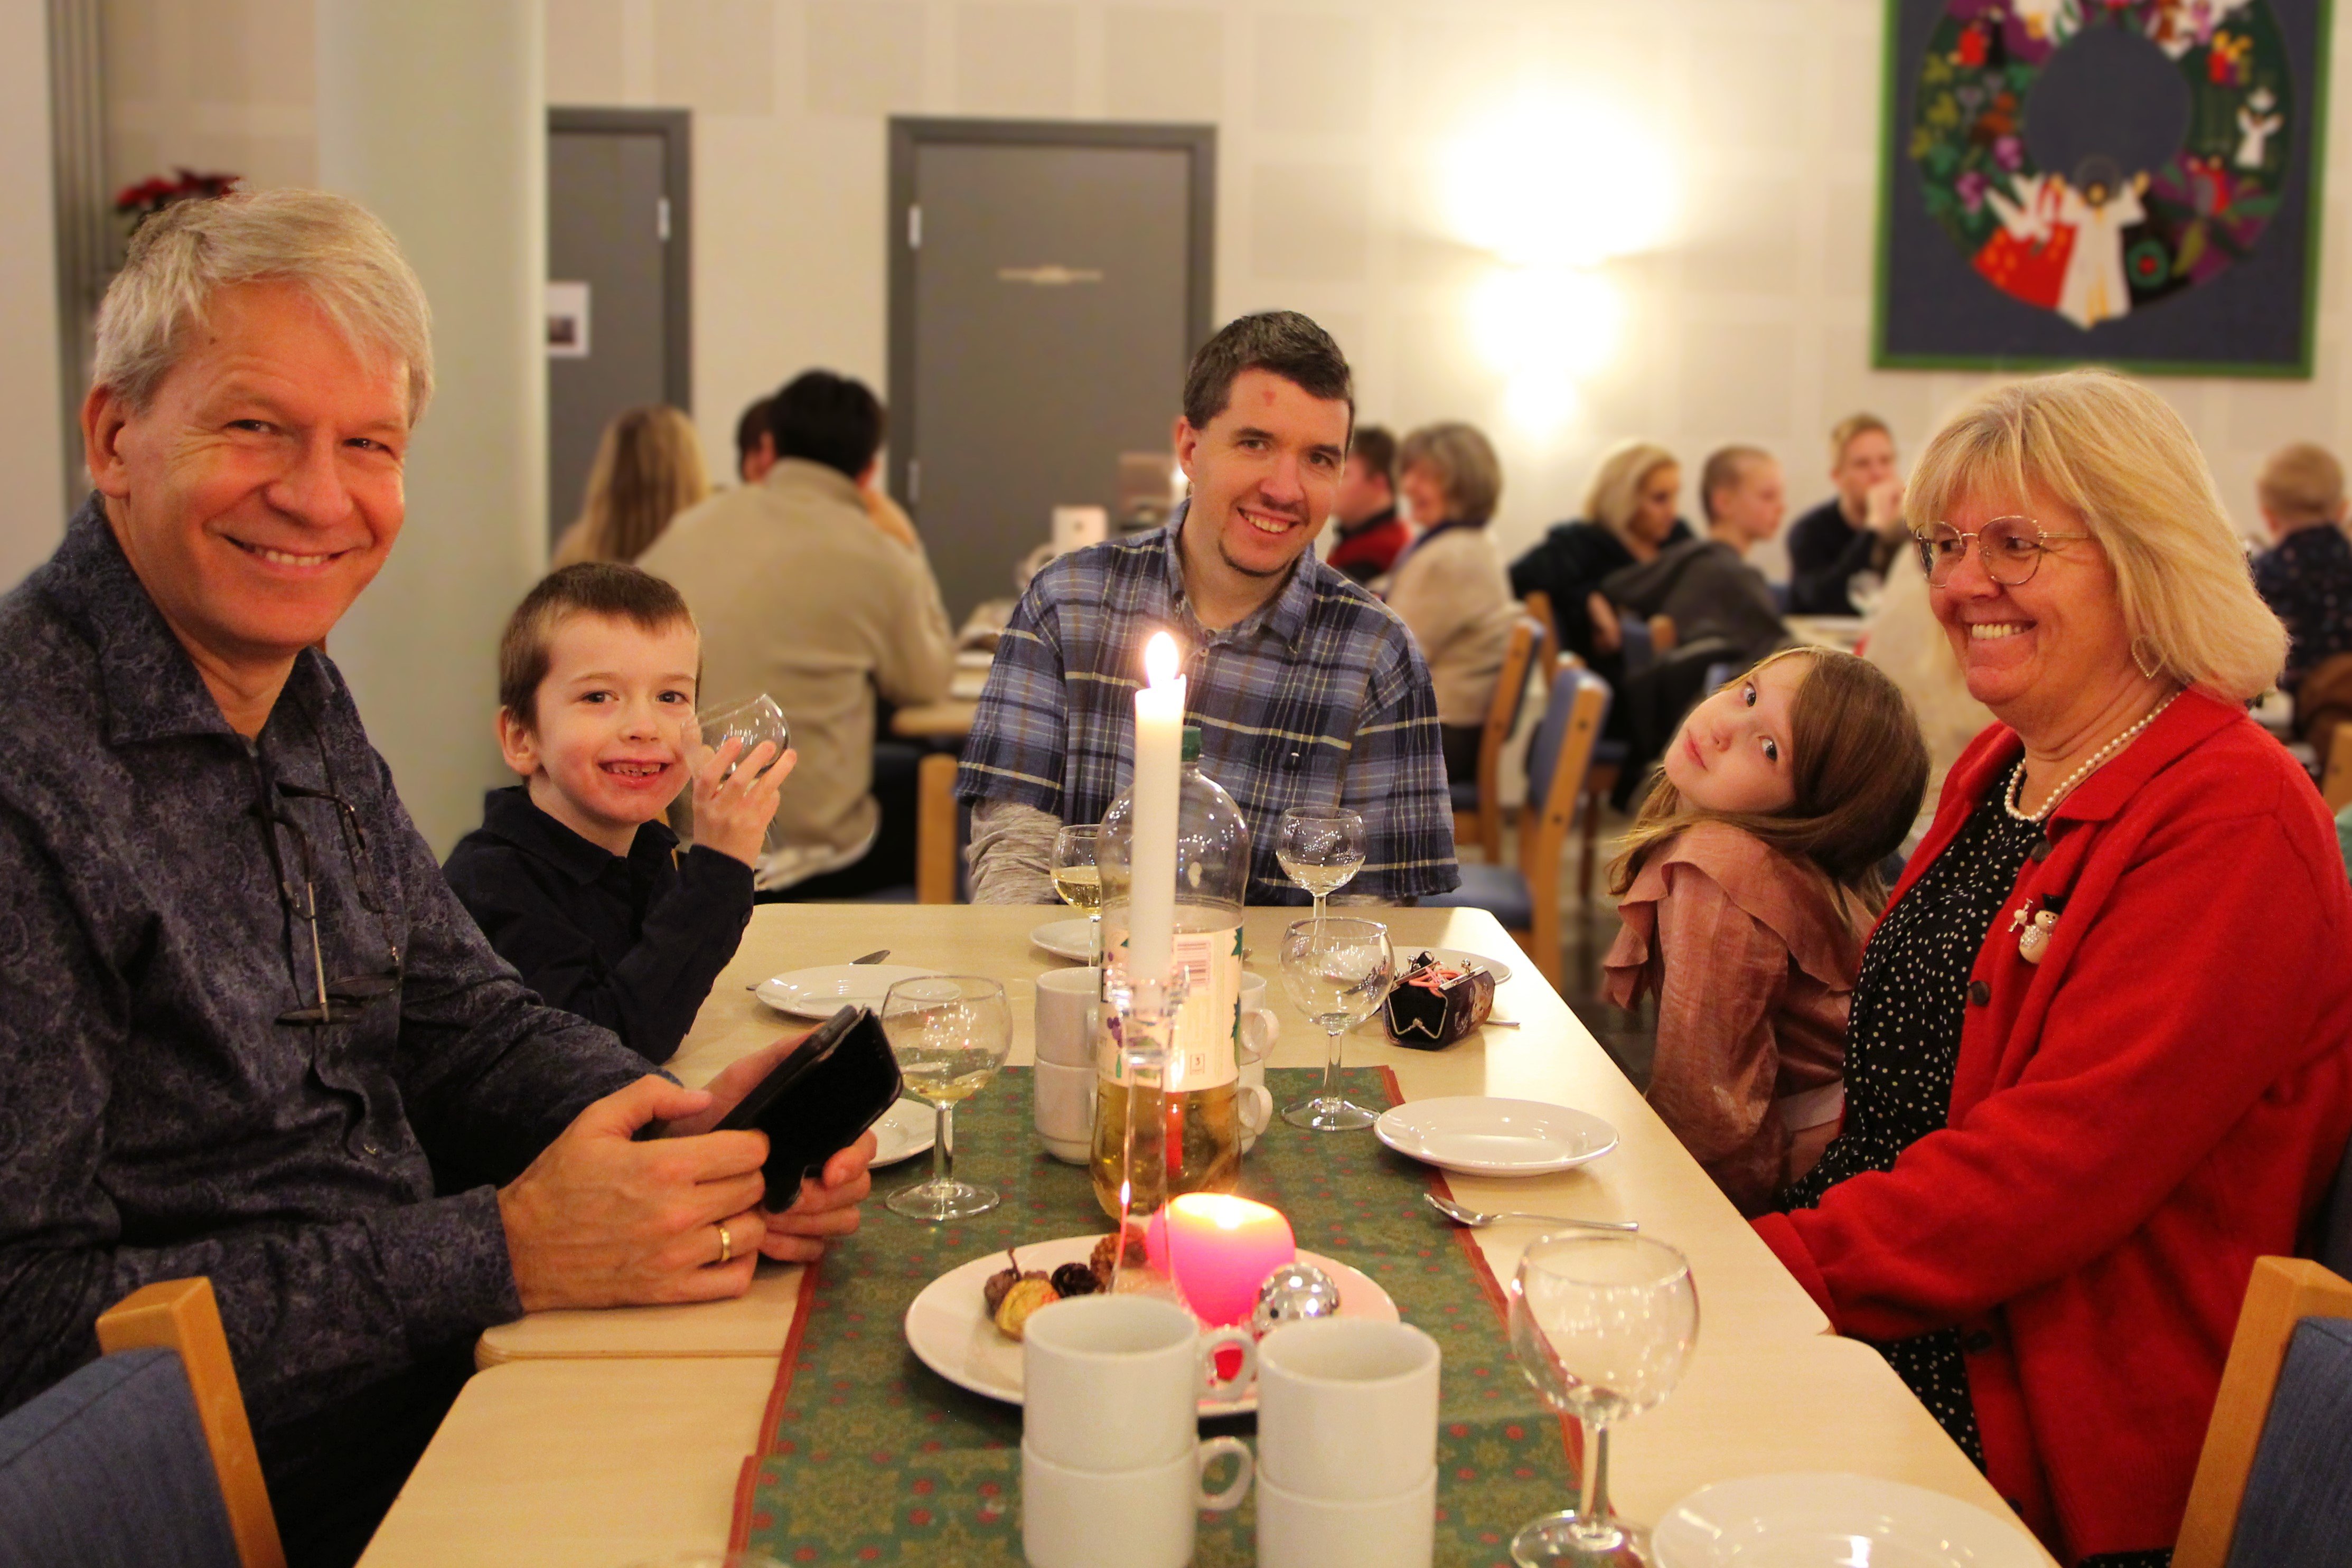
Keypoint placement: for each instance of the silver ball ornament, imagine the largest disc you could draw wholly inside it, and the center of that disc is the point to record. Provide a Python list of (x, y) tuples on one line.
[(1293, 1294)]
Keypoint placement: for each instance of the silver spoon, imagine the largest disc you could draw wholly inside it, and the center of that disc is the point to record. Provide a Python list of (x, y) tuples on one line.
[(1474, 1219)]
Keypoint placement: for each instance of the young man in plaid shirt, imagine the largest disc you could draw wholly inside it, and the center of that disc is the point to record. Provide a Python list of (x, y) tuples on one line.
[(1307, 690)]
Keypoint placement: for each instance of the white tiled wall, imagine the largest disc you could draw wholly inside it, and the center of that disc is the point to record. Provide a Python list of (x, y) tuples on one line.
[(1750, 324)]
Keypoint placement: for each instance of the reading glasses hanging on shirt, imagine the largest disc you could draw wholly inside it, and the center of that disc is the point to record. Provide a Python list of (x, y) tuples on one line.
[(338, 1000)]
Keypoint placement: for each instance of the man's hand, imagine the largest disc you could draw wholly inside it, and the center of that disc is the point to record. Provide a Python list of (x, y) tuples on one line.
[(1607, 635), (825, 1209), (1883, 510), (732, 810), (599, 1220)]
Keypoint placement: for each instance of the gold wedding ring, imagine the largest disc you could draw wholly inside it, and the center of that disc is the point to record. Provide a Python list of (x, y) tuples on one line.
[(726, 1245)]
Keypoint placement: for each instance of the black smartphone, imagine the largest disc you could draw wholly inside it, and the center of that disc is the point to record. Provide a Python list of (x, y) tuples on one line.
[(826, 1091)]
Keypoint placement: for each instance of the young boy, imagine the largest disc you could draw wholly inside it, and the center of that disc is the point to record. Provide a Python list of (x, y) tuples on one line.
[(572, 875)]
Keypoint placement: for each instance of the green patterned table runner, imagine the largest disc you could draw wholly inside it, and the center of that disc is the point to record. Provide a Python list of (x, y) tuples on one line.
[(869, 1456)]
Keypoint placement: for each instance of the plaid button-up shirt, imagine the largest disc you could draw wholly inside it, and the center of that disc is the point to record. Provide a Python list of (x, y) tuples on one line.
[(1320, 697)]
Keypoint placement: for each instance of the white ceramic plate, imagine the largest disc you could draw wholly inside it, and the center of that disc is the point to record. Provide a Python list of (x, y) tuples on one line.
[(950, 1330), (1479, 1136), (1455, 957), (1816, 1520), (1070, 939), (905, 1130), (820, 993)]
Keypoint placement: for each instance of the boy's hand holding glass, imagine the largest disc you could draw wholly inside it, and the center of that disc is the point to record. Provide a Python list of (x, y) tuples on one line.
[(732, 805)]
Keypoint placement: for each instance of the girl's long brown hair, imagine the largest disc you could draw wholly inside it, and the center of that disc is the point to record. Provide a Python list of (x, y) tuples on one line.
[(648, 469), (1859, 768)]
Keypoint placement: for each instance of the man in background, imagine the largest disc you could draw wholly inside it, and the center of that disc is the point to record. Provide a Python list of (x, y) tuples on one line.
[(755, 449), (804, 591), (1856, 530), (1371, 535)]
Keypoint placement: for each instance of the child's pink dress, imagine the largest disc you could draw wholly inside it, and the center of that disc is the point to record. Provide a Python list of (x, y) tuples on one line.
[(1753, 955)]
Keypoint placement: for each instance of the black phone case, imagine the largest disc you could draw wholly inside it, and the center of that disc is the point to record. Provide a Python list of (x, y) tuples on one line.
[(831, 1087)]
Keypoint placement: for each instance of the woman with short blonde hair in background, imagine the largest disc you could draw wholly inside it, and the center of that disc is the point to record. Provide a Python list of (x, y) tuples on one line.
[(1630, 514), (648, 469), (2099, 1055), (1449, 586)]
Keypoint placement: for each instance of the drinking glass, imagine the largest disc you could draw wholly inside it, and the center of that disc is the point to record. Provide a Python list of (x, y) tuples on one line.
[(1337, 972), (1321, 848), (951, 1033), (1602, 1325), (751, 721), (1078, 877)]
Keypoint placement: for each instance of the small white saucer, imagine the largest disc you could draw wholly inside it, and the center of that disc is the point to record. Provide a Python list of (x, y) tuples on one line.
[(906, 1129), (1772, 1522), (1071, 939), (822, 992), (1479, 1136)]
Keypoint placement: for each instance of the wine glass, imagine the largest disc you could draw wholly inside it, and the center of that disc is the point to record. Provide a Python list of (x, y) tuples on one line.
[(1336, 971), (1078, 877), (1321, 848), (751, 721), (1602, 1325), (951, 1033)]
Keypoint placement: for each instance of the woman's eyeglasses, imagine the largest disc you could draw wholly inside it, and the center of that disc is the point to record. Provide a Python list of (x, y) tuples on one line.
[(2011, 548)]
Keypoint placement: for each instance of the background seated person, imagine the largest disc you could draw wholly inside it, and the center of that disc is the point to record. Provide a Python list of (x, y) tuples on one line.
[(1370, 534), (1859, 529), (1450, 587), (1629, 516), (2085, 1084), (572, 875), (2306, 577), (188, 802), (648, 469), (1307, 690), (810, 590)]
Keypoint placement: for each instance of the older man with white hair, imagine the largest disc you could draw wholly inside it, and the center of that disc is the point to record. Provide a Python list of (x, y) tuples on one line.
[(245, 1030)]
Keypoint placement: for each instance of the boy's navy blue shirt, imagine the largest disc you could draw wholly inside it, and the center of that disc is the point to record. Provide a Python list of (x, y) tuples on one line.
[(630, 942)]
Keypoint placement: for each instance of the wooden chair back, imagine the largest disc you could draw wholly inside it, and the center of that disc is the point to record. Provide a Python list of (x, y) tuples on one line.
[(1547, 655), (1663, 638), (937, 829), (2336, 777), (1502, 718), (182, 1315), (2282, 1293)]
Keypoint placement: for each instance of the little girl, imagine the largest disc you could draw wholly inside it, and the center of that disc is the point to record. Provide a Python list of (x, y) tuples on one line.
[(1747, 886)]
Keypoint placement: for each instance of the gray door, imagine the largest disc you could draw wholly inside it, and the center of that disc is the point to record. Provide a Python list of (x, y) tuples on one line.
[(617, 273), (1050, 297)]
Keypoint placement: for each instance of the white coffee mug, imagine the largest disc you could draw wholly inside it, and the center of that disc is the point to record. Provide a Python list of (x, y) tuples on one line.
[(1399, 1530), (1068, 1006), (1347, 1408), (1114, 1382), (1260, 1028), (1065, 1112), (1142, 1518)]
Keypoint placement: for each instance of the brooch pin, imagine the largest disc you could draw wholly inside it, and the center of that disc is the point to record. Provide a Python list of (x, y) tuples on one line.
[(2033, 927)]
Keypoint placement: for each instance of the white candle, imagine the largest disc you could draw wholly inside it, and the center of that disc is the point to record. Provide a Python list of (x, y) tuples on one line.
[(1158, 769)]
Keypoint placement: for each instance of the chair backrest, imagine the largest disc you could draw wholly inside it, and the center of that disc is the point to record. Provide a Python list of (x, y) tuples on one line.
[(2336, 776), (2336, 1220), (181, 1316), (2294, 1514), (1557, 760), (1663, 638), (1510, 695), (1538, 608), (110, 1467), (1634, 633), (2282, 1292)]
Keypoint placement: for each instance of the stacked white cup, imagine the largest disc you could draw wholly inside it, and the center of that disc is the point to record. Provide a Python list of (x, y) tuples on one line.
[(1111, 1457), (1347, 1446), (1069, 1010)]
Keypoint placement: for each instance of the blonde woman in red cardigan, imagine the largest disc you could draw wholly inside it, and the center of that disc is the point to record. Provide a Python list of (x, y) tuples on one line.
[(2100, 1055), (1747, 887)]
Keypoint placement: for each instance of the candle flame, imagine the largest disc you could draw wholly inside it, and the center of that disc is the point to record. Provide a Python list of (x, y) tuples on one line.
[(1159, 658)]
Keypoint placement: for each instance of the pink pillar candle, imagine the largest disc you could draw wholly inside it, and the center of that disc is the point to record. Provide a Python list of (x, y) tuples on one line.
[(1220, 1248)]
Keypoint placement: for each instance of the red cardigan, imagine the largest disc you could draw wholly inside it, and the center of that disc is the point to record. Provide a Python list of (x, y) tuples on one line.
[(2134, 1121)]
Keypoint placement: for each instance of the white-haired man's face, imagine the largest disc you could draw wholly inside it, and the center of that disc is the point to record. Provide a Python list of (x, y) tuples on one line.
[(260, 490)]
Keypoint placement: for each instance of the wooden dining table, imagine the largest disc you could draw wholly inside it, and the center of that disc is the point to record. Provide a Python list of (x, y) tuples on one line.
[(614, 1437)]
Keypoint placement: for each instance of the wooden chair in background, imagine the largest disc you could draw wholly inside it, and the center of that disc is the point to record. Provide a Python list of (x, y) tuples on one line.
[(1478, 802), (2275, 1446), (938, 829), (1538, 608), (2336, 777)]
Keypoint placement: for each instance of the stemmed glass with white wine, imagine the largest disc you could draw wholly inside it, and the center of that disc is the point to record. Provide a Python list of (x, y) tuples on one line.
[(1078, 877), (1602, 1325), (1337, 972), (951, 1033), (1321, 848)]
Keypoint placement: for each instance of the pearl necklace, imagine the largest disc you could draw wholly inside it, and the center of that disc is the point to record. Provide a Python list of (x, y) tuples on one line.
[(2017, 780)]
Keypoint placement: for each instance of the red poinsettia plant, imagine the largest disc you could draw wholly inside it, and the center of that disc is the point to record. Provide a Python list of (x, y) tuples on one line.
[(145, 199)]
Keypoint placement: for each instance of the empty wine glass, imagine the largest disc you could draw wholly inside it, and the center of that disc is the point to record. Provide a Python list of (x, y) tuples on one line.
[(1337, 972), (1321, 848), (951, 1033), (751, 721), (1602, 1325), (1078, 879)]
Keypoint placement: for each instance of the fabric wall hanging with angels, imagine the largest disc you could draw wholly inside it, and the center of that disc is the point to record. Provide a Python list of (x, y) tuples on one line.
[(2134, 182)]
